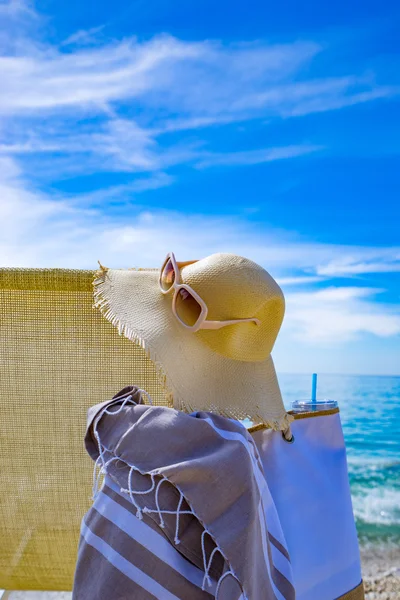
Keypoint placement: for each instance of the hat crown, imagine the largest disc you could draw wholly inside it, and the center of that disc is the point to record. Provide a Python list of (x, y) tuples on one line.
[(234, 287)]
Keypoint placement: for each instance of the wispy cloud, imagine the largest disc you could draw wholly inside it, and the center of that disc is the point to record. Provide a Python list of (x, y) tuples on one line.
[(122, 195), (25, 210), (201, 80), (339, 315), (301, 280), (11, 9), (313, 96), (93, 105), (116, 101), (329, 261), (74, 232), (163, 72), (349, 266), (254, 157), (83, 37), (121, 145), (335, 101)]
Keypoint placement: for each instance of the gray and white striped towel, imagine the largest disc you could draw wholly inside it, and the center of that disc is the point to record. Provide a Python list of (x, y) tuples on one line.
[(184, 512)]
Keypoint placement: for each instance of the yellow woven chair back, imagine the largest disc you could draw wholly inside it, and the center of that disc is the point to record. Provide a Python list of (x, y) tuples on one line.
[(58, 356)]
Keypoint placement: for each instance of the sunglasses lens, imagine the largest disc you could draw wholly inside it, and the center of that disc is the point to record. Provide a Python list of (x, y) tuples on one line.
[(187, 308), (167, 276)]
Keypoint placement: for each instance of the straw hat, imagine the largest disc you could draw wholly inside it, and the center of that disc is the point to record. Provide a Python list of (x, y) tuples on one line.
[(229, 370)]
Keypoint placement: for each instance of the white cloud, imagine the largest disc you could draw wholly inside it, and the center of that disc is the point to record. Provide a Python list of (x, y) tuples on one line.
[(202, 80), (66, 103), (81, 228), (337, 315), (298, 280), (130, 146), (68, 99), (83, 37), (349, 266), (25, 216), (122, 145), (328, 260), (313, 95), (286, 255), (37, 230), (193, 77), (341, 100), (253, 157), (15, 9), (122, 194), (184, 124), (19, 22)]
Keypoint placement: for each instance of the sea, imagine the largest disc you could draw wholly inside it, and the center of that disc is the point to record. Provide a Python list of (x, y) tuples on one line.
[(370, 413)]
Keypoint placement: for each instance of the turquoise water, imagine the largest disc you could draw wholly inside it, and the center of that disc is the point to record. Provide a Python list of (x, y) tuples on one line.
[(370, 412)]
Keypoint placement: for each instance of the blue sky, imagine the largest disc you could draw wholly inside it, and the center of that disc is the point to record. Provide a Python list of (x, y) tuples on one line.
[(128, 129)]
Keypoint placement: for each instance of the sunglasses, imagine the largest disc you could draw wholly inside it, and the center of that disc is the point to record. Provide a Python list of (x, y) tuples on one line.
[(187, 306)]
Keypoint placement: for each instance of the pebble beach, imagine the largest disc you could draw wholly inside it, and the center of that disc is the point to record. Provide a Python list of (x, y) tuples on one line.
[(381, 572)]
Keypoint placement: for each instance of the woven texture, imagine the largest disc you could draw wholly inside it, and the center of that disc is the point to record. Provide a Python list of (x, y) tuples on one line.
[(229, 371), (58, 356)]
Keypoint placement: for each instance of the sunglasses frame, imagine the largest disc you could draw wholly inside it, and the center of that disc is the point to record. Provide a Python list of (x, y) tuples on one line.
[(177, 285)]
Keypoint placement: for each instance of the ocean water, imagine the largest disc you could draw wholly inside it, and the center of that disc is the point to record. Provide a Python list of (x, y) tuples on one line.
[(370, 413)]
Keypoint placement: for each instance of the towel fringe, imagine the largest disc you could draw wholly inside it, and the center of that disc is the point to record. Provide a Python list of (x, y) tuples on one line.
[(103, 463)]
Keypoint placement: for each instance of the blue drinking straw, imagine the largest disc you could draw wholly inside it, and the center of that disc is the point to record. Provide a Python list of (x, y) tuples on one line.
[(314, 390)]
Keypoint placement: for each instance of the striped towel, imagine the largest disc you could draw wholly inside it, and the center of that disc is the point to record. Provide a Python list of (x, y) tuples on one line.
[(184, 511)]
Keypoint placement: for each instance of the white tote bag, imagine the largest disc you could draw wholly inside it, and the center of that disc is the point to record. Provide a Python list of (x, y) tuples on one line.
[(309, 483)]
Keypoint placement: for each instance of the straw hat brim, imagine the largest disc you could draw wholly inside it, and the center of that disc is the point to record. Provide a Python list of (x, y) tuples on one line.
[(197, 378)]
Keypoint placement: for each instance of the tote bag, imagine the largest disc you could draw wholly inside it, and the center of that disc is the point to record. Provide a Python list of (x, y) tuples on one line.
[(309, 483)]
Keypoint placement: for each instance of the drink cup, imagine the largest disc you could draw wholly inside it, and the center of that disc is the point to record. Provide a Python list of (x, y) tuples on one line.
[(301, 406)]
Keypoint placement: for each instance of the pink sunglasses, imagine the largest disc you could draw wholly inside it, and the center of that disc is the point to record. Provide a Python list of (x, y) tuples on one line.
[(187, 306)]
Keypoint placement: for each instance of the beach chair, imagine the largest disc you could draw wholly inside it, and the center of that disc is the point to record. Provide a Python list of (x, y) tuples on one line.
[(58, 357)]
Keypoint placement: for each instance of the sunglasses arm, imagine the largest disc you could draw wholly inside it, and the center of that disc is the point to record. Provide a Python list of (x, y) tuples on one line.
[(220, 324), (186, 263)]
